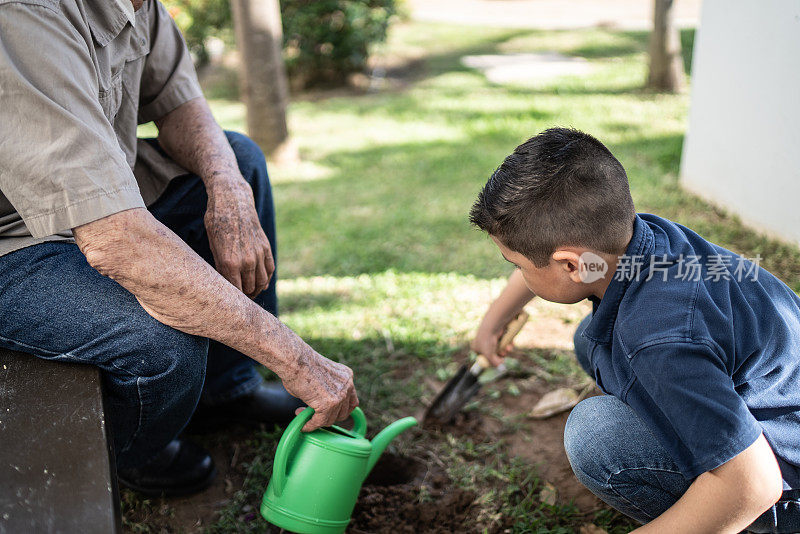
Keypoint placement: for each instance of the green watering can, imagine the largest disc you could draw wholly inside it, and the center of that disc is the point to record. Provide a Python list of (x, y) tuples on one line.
[(317, 475)]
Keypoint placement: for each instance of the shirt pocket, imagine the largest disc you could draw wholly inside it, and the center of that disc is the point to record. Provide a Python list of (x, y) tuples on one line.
[(127, 116), (111, 97), (136, 56)]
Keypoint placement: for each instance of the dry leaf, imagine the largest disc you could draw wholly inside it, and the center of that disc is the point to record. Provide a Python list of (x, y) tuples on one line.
[(588, 528), (548, 494), (554, 402)]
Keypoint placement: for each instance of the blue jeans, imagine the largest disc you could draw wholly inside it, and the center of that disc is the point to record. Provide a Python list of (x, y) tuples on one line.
[(617, 457), (56, 306)]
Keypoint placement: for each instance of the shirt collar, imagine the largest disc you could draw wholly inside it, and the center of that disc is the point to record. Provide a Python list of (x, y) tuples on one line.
[(107, 18), (604, 313)]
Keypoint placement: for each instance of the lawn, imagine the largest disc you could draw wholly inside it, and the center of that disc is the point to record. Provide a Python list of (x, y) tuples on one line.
[(380, 269)]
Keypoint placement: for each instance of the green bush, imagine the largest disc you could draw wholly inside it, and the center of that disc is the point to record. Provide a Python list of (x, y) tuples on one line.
[(200, 19), (324, 40)]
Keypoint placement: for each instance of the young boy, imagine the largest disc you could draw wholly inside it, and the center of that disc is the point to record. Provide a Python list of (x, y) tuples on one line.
[(697, 349)]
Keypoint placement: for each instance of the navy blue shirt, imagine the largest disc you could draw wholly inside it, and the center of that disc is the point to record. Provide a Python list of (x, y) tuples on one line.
[(703, 345)]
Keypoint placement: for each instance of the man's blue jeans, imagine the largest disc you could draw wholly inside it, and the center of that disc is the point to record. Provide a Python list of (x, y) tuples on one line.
[(56, 306), (614, 455)]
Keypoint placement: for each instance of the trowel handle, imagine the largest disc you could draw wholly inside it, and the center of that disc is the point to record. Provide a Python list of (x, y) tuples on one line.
[(512, 329), (285, 446)]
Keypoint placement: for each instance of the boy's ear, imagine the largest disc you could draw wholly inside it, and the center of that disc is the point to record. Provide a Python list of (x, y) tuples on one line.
[(570, 261)]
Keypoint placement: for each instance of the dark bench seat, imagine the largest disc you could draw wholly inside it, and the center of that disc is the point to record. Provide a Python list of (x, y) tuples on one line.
[(56, 465)]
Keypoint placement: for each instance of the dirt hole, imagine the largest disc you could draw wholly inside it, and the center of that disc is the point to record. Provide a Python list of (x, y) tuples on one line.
[(408, 495), (392, 470)]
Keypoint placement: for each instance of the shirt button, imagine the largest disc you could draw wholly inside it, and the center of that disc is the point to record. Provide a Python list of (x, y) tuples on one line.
[(142, 41)]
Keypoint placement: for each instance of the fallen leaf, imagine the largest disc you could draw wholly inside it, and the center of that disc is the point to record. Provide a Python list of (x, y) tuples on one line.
[(588, 528), (554, 402), (548, 494)]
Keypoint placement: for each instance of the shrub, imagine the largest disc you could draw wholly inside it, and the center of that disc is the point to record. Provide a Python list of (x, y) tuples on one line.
[(324, 40), (200, 19)]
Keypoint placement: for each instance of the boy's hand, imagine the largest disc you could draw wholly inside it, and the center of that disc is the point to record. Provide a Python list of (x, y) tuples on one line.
[(501, 312), (485, 343)]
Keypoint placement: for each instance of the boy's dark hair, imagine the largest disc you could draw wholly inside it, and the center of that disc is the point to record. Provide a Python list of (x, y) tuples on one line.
[(560, 188)]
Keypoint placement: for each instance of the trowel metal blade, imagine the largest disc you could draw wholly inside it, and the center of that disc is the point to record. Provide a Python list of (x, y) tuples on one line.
[(455, 394)]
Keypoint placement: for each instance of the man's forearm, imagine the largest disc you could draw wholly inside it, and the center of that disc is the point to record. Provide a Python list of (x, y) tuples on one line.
[(181, 290), (176, 287), (241, 250), (190, 135)]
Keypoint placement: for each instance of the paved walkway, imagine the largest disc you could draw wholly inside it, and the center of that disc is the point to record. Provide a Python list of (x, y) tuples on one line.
[(550, 14)]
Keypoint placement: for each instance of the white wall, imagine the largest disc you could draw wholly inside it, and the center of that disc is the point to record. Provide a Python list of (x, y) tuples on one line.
[(742, 149)]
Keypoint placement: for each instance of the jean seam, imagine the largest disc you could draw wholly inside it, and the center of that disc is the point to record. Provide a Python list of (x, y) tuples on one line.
[(123, 370), (610, 485), (135, 433), (26, 346), (774, 510), (587, 475)]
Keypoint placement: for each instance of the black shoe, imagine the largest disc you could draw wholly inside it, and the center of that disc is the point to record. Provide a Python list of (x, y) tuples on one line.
[(269, 404), (182, 468)]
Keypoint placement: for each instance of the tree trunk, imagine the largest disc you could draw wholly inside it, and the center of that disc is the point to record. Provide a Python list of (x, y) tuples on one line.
[(666, 61), (262, 76)]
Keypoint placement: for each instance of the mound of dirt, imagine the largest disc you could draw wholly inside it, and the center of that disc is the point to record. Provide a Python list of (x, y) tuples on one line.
[(404, 495)]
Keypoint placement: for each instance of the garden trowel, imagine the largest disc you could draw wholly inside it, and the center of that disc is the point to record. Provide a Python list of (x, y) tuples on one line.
[(465, 384)]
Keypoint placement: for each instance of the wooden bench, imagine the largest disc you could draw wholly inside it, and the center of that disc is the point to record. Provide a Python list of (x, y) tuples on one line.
[(57, 471)]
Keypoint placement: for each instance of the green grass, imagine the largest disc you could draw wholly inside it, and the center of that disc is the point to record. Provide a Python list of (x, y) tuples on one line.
[(379, 266), (388, 178)]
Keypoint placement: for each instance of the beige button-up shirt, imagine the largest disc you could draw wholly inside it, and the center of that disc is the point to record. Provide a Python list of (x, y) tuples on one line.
[(76, 77)]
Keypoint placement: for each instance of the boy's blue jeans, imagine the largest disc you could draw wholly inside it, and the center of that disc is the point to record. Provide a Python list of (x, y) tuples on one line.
[(56, 306), (614, 455)]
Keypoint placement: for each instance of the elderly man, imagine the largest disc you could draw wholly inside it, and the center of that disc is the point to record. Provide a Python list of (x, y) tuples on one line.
[(150, 259)]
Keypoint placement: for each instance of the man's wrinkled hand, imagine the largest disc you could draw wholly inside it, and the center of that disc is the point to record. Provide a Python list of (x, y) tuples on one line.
[(324, 385), (240, 247)]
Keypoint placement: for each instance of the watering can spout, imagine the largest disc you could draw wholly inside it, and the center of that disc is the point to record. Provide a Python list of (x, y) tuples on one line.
[(384, 437)]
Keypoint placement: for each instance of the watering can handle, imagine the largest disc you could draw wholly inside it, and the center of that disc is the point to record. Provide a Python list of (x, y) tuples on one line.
[(359, 422), (285, 446), (289, 440)]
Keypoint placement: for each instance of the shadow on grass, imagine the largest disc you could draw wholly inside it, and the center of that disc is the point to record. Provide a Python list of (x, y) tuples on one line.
[(395, 216), (636, 42), (221, 82), (623, 44), (324, 301)]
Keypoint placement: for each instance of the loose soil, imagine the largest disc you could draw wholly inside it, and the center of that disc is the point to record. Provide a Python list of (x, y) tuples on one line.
[(540, 442), (404, 494)]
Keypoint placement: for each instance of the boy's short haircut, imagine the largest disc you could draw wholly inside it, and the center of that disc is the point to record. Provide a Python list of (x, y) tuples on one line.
[(560, 188)]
